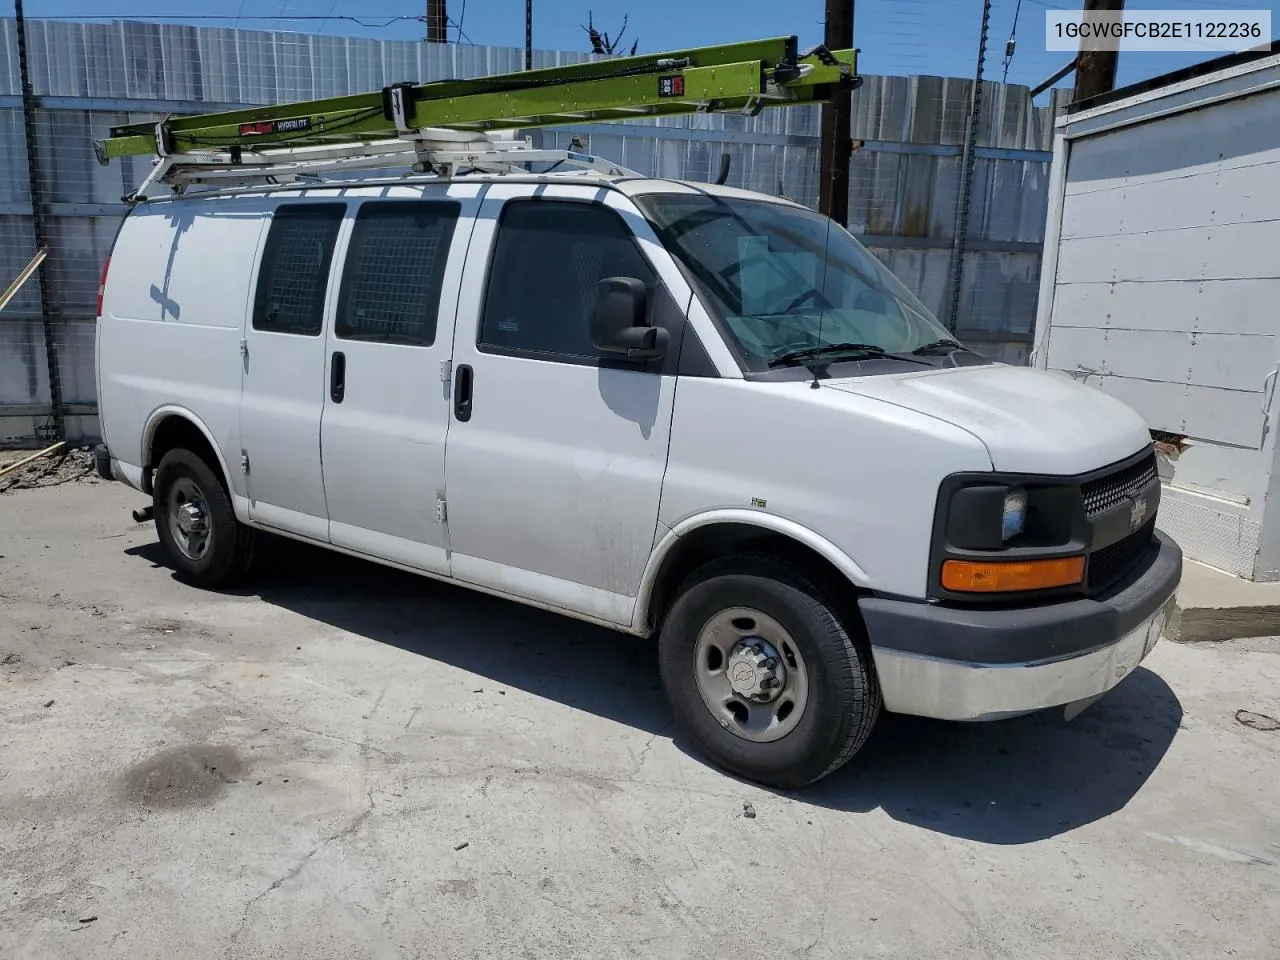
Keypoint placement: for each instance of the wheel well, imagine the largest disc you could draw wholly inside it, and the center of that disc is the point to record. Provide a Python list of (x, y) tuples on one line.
[(727, 539), (176, 432)]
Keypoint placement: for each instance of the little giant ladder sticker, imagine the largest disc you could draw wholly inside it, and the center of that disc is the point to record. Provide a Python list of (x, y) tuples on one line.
[(264, 127), (671, 86)]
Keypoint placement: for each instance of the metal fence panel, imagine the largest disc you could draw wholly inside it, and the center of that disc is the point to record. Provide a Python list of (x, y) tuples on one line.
[(14, 185)]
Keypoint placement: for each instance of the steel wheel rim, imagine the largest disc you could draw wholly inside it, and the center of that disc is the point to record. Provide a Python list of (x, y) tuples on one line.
[(719, 649), (188, 514)]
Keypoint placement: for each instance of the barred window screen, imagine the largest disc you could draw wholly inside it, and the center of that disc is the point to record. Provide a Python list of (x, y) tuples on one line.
[(295, 268), (549, 257), (394, 272)]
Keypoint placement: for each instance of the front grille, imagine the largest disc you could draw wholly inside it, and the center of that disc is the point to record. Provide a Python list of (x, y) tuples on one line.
[(1111, 563), (1106, 492)]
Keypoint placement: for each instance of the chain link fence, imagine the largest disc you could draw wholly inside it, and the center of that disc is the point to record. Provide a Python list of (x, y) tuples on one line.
[(87, 77)]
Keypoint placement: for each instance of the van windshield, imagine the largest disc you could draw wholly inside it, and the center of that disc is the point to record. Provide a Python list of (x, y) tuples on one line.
[(791, 287)]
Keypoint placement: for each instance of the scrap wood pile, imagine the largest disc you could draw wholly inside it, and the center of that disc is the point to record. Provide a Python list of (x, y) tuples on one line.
[(48, 468)]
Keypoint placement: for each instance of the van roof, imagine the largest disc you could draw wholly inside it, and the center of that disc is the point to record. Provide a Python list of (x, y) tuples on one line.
[(631, 186)]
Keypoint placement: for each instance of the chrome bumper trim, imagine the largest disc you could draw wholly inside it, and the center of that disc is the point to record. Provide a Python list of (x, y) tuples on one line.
[(955, 690)]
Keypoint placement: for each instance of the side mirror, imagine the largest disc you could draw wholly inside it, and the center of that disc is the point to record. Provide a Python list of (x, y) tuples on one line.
[(620, 323)]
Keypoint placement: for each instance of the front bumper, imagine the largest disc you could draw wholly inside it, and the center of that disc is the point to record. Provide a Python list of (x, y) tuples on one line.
[(982, 664)]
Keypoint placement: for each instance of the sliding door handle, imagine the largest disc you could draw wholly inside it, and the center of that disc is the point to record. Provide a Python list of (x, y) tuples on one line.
[(337, 377), (462, 385)]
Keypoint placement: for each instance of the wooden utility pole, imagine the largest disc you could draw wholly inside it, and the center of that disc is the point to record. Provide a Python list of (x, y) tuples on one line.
[(1096, 69), (837, 146), (437, 21)]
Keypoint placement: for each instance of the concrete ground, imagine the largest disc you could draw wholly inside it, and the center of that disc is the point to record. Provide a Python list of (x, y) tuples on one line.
[(349, 762), (1213, 605)]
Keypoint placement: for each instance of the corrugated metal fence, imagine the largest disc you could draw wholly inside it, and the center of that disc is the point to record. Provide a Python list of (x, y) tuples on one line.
[(87, 77)]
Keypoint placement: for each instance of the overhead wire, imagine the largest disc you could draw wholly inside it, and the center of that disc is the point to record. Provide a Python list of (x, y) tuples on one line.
[(332, 7), (457, 25), (376, 21), (368, 20), (908, 17), (1012, 43)]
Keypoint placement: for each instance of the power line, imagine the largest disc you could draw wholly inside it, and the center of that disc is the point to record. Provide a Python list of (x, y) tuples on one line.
[(332, 7), (1011, 43), (457, 25), (367, 21), (1186, 4)]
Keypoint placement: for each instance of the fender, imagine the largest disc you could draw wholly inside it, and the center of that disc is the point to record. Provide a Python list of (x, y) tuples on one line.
[(766, 522), (173, 409)]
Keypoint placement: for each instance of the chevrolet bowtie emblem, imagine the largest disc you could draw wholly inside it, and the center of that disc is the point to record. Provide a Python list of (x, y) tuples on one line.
[(1137, 513)]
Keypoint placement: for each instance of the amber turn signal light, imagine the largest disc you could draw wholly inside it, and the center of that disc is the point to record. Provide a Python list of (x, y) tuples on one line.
[(967, 576)]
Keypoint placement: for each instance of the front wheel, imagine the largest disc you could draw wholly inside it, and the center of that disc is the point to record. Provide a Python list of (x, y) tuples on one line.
[(196, 523), (763, 674)]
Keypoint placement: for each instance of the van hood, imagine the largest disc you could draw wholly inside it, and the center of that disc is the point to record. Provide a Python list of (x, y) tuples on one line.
[(1030, 421)]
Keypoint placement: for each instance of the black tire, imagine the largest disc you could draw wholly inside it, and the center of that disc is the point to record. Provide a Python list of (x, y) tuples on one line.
[(231, 545), (843, 697)]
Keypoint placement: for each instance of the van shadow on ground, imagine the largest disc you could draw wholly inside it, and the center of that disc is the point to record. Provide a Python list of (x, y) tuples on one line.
[(1010, 782)]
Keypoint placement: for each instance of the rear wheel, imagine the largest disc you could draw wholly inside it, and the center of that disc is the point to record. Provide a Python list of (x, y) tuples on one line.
[(196, 523), (764, 675)]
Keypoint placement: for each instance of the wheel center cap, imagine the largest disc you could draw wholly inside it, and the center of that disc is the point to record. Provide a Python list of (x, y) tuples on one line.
[(190, 518), (755, 671)]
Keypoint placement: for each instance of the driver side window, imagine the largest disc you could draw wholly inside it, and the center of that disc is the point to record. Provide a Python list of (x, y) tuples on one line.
[(548, 259)]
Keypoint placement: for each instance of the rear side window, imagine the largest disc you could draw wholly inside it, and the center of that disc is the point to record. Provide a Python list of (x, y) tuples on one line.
[(549, 257), (394, 272), (295, 268)]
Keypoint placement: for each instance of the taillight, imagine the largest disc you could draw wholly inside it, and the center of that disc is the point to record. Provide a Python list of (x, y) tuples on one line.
[(102, 284)]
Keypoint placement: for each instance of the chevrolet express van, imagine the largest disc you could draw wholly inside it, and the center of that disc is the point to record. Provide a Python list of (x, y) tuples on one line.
[(677, 410)]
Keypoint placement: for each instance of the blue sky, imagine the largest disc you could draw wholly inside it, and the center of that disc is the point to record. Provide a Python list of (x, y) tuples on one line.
[(938, 37)]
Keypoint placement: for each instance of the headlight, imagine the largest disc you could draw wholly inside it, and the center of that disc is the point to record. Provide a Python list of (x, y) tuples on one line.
[(1014, 516), (997, 535), (987, 515)]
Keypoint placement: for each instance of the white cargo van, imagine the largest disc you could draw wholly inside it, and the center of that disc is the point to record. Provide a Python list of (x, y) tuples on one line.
[(676, 410)]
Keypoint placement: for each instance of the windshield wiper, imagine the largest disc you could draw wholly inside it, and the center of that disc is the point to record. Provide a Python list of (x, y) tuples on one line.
[(810, 353), (941, 346)]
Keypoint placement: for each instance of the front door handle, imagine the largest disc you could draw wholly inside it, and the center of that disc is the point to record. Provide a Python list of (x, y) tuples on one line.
[(462, 383), (338, 377)]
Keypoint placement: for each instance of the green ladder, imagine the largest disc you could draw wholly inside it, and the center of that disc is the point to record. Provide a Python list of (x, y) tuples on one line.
[(447, 123)]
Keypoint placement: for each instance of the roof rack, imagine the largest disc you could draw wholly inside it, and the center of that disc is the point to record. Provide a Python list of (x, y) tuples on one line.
[(428, 151), (453, 127)]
